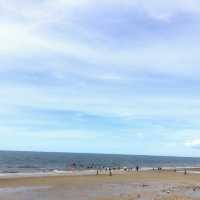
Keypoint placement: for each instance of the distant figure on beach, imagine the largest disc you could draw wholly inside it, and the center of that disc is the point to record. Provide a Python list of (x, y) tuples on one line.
[(110, 172), (73, 165), (175, 170), (185, 172), (137, 168), (159, 169)]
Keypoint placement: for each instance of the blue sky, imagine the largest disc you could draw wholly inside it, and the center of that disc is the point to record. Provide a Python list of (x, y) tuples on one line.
[(100, 76)]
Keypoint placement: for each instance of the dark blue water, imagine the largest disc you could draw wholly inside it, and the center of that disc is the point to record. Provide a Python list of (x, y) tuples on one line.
[(37, 161)]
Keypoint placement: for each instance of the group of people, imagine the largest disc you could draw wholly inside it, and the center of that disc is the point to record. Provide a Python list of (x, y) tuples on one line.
[(109, 170)]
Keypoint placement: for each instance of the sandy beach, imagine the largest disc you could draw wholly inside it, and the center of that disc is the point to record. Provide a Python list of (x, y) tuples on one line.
[(146, 185)]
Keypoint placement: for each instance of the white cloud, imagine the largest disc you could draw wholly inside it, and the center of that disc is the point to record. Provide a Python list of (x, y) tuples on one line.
[(68, 135), (165, 10), (103, 102), (172, 58), (17, 39), (24, 32), (52, 10), (194, 143)]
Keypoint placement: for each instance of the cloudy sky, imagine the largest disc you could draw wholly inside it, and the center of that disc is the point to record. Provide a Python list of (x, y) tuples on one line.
[(103, 76)]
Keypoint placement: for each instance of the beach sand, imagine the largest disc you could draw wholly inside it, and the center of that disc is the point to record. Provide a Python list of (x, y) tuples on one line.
[(149, 185)]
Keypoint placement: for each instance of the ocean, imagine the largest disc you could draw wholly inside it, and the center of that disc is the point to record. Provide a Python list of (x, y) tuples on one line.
[(13, 161)]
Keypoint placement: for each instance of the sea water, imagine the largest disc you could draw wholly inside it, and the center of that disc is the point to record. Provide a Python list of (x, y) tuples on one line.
[(13, 161)]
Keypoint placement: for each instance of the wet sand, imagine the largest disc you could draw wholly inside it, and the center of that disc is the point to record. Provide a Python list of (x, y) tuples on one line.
[(150, 185)]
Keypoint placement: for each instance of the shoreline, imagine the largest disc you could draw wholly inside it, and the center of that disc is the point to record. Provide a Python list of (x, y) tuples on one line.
[(92, 172)]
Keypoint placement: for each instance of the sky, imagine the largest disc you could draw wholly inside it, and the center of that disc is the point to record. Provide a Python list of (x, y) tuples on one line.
[(100, 76)]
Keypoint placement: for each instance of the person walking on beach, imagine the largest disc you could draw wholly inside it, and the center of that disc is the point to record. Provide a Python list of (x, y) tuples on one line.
[(110, 172), (137, 168), (185, 172)]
